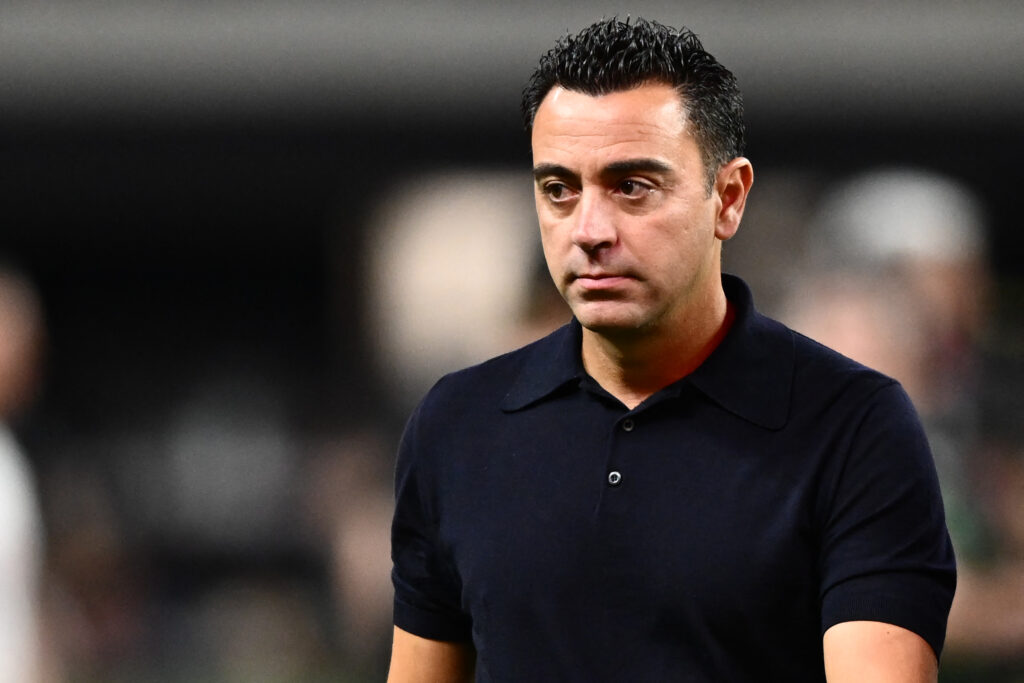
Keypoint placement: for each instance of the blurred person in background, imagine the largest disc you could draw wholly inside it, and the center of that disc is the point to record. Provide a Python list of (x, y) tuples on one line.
[(349, 505), (21, 529), (671, 486), (927, 233), (897, 277)]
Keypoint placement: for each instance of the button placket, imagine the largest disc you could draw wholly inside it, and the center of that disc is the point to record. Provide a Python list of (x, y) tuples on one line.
[(615, 476)]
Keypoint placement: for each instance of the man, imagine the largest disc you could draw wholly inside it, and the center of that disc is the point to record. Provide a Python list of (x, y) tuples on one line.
[(672, 487), (21, 528)]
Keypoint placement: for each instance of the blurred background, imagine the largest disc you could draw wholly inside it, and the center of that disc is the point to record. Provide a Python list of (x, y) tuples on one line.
[(240, 239)]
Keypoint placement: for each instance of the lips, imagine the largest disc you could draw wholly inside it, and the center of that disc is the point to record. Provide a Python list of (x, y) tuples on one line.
[(600, 280), (601, 275)]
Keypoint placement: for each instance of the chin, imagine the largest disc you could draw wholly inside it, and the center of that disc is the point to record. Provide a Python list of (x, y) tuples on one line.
[(609, 320)]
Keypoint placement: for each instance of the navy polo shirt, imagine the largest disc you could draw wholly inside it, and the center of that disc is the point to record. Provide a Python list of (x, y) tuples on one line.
[(712, 533)]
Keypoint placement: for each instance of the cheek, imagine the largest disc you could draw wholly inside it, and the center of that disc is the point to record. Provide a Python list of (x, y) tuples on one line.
[(692, 227), (551, 249), (556, 265), (554, 237)]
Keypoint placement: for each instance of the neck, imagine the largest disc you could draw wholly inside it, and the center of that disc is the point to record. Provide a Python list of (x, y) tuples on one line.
[(633, 367)]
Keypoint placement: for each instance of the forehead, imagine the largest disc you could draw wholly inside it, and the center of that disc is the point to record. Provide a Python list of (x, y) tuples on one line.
[(648, 119)]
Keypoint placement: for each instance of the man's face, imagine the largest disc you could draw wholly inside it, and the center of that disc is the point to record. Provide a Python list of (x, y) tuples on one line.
[(628, 228)]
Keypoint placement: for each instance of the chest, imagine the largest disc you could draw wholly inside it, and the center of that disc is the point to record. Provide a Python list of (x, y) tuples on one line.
[(644, 523)]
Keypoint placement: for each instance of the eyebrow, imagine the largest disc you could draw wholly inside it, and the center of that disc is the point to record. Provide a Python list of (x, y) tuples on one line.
[(637, 165), (556, 170), (622, 167)]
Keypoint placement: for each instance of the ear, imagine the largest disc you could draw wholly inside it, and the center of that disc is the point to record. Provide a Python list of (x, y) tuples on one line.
[(732, 185)]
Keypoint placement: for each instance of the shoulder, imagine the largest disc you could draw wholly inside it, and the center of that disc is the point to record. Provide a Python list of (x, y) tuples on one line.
[(830, 393), (823, 374), (863, 419), (489, 379), (468, 407), (774, 376), (485, 387)]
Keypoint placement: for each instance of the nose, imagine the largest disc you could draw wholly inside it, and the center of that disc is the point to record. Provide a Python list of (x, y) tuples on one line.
[(594, 226)]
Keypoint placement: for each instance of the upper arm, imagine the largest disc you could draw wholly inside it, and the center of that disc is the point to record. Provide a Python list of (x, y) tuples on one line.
[(885, 552), (873, 651), (421, 660)]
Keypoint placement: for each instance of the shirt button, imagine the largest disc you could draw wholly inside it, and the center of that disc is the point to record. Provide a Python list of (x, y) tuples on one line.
[(628, 424), (614, 478)]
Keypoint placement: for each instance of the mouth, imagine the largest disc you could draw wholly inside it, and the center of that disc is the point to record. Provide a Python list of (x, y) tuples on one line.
[(600, 280)]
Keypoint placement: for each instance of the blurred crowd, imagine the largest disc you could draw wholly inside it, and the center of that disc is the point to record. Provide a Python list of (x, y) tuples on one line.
[(890, 267)]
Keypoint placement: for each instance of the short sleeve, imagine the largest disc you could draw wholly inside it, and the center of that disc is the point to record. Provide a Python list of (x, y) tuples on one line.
[(427, 588), (886, 554)]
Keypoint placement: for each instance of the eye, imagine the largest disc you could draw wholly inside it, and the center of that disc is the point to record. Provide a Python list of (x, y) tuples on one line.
[(557, 191), (634, 188)]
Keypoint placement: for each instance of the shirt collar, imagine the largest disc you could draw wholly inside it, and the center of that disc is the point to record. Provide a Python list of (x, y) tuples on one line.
[(553, 362), (750, 374)]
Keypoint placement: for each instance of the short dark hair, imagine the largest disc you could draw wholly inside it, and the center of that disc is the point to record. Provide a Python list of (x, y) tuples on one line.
[(613, 55)]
